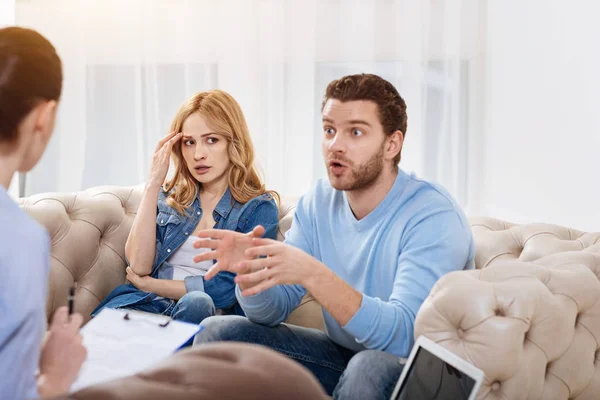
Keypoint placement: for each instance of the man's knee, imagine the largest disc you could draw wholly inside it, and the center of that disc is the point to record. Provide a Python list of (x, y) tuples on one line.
[(224, 328), (369, 373)]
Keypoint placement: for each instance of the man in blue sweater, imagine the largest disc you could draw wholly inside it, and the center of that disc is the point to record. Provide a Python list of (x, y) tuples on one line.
[(368, 245)]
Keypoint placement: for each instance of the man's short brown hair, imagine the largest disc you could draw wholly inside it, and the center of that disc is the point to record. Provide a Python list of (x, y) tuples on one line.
[(392, 108)]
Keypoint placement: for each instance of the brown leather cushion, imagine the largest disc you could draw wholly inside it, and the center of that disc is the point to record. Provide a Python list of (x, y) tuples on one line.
[(223, 371)]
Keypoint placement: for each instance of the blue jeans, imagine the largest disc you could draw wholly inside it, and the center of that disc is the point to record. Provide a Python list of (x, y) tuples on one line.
[(345, 374), (193, 307)]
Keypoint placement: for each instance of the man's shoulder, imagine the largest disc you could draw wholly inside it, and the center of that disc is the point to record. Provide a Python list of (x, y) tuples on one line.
[(427, 195), (423, 199)]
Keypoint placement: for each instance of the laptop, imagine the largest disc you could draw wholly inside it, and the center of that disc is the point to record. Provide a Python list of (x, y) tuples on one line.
[(434, 373)]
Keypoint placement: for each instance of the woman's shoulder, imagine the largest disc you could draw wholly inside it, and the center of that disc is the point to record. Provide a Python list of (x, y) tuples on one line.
[(24, 234), (260, 207), (265, 200), (163, 204)]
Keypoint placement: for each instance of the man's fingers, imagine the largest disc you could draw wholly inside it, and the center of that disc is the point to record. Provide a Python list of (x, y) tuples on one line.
[(259, 263), (209, 255), (262, 251), (60, 317), (261, 287), (212, 272), (264, 242), (212, 234), (257, 276), (258, 231), (206, 243)]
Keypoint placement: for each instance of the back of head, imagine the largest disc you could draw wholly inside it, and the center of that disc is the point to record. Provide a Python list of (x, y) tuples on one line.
[(391, 106), (30, 72)]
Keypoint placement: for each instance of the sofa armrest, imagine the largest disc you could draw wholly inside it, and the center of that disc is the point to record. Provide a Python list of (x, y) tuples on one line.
[(88, 231), (533, 330)]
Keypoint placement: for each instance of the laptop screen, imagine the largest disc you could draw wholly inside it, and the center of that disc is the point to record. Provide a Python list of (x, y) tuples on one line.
[(431, 378)]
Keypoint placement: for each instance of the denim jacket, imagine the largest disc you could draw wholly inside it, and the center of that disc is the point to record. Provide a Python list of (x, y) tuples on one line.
[(173, 229)]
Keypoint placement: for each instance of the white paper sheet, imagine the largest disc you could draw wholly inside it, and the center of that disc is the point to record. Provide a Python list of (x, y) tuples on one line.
[(118, 347)]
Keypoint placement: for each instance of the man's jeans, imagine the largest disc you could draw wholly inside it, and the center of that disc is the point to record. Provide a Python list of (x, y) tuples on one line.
[(366, 375)]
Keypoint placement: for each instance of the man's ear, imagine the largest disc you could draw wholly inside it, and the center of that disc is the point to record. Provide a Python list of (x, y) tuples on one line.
[(394, 145)]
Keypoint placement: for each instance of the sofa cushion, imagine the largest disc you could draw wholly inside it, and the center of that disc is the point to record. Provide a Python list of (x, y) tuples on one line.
[(214, 371)]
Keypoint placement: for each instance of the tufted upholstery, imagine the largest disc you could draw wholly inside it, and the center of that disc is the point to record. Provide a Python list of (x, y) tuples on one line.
[(88, 231), (529, 316)]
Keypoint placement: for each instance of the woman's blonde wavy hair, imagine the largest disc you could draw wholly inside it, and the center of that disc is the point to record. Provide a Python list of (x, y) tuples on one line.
[(223, 114)]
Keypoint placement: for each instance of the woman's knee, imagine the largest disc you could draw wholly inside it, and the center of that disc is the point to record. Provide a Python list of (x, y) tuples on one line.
[(194, 307)]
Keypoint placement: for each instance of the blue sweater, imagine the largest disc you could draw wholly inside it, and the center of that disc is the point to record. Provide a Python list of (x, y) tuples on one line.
[(393, 256)]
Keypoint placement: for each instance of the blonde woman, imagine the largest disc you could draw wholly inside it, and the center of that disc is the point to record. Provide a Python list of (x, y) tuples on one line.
[(215, 185)]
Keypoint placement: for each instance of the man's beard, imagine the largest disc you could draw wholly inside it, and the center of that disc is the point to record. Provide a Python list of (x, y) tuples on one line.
[(362, 176)]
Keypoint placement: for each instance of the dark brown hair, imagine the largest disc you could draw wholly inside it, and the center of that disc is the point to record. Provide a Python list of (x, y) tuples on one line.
[(392, 108), (30, 72)]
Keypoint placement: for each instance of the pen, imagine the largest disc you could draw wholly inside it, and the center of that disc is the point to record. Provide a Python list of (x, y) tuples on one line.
[(71, 299)]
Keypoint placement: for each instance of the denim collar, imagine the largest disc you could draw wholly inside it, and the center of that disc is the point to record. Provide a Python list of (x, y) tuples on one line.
[(225, 204)]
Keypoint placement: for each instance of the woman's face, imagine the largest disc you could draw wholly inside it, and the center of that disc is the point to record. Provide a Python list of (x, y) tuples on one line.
[(204, 151)]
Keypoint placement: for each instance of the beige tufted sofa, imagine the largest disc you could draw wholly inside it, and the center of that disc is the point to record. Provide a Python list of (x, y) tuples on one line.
[(88, 231), (529, 316)]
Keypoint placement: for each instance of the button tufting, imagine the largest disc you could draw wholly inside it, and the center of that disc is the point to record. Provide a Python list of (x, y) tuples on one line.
[(495, 386), (460, 333)]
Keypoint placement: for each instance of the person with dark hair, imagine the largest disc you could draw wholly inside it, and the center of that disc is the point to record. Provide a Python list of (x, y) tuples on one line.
[(30, 88), (368, 244)]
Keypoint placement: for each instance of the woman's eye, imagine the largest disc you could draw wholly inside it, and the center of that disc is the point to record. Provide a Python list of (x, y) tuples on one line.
[(357, 132), (329, 131), (212, 140), (188, 142)]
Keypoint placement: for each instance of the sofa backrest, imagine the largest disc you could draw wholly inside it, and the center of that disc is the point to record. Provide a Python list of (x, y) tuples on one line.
[(88, 231)]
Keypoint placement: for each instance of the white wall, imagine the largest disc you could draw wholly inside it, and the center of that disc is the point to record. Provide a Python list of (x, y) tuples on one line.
[(542, 150), (7, 12)]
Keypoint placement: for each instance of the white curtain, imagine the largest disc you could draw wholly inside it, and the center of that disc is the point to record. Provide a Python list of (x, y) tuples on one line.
[(130, 64)]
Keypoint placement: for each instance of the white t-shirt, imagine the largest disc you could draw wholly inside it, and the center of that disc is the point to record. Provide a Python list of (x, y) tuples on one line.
[(183, 263)]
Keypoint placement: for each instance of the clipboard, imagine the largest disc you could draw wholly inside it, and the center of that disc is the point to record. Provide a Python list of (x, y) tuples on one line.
[(124, 342)]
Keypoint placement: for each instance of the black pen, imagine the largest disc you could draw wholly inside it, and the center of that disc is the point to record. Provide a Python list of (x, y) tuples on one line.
[(71, 299)]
